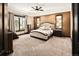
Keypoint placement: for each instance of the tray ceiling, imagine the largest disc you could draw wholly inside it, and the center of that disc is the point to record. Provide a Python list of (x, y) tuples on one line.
[(49, 8)]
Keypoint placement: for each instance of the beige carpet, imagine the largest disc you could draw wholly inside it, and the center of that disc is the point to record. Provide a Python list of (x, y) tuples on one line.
[(55, 46)]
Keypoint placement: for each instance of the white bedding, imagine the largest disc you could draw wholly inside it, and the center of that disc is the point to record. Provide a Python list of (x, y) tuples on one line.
[(43, 32)]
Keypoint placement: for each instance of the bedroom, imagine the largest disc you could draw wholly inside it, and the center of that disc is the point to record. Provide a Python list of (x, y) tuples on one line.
[(40, 29)]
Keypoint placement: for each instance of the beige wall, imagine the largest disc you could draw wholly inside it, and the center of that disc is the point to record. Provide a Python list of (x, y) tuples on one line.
[(30, 20), (6, 16), (66, 23), (48, 18), (71, 23)]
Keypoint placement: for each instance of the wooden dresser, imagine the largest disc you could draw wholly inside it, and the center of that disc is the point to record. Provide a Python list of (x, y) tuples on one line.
[(10, 42)]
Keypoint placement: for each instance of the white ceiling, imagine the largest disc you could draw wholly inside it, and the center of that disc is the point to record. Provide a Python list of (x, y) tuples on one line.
[(49, 8)]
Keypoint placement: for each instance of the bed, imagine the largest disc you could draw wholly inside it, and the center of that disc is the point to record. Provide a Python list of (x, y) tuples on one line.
[(44, 31)]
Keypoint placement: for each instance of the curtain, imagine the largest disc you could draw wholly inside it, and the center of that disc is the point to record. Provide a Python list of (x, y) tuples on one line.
[(11, 19), (12, 26), (26, 24)]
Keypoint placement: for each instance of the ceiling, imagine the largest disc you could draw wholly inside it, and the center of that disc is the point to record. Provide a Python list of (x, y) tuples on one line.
[(49, 8)]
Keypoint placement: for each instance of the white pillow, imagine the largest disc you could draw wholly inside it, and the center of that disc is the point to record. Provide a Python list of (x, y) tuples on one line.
[(45, 28), (48, 25)]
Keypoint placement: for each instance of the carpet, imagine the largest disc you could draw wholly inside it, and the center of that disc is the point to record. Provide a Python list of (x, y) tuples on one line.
[(55, 46)]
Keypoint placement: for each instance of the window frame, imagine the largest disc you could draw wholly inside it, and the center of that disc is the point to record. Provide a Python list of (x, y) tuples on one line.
[(19, 23), (61, 21), (38, 21)]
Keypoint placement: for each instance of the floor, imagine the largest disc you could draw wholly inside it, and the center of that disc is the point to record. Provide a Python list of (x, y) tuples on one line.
[(55, 46)]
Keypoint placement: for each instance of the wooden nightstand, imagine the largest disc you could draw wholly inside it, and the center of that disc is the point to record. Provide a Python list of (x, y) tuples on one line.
[(58, 33), (28, 28)]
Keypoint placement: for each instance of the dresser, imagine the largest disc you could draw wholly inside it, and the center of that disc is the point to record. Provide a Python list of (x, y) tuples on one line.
[(10, 43), (28, 28)]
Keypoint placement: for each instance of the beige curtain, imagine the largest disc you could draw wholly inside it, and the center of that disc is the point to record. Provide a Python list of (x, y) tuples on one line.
[(25, 24), (12, 26), (11, 17)]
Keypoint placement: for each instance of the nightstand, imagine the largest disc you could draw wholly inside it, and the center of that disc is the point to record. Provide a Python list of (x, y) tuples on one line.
[(29, 28), (58, 33)]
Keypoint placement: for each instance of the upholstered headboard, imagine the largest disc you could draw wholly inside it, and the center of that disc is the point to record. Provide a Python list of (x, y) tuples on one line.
[(52, 25)]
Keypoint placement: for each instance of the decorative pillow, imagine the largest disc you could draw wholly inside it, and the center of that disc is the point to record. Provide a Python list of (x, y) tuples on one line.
[(48, 26), (42, 27), (45, 28)]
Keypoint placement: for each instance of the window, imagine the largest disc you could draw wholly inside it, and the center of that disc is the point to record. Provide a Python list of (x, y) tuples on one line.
[(19, 23), (22, 23), (38, 22), (59, 22)]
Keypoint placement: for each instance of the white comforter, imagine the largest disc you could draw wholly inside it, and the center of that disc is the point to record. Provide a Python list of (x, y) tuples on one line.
[(43, 32), (46, 32)]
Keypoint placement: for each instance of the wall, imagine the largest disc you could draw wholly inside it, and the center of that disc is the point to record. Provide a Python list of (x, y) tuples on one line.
[(66, 21), (71, 23), (48, 18), (30, 20)]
